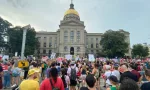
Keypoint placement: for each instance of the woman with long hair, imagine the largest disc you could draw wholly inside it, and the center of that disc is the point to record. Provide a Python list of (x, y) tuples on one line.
[(83, 73), (95, 72), (53, 82)]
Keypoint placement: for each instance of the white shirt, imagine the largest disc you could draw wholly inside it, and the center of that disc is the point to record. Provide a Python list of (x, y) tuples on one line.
[(107, 75), (117, 74), (69, 70)]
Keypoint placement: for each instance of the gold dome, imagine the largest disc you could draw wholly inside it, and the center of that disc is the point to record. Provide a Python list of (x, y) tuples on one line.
[(71, 11)]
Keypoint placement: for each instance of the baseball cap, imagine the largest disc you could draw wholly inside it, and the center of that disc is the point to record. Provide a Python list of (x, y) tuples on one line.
[(113, 78), (32, 71)]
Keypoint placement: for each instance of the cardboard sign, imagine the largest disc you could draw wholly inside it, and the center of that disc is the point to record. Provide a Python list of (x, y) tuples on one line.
[(23, 63), (68, 57), (91, 57), (44, 58)]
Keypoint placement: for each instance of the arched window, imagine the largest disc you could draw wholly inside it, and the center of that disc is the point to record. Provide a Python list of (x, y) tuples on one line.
[(65, 49)]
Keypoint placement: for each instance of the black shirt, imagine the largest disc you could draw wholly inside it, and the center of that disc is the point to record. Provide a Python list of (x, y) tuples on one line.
[(145, 86), (128, 74)]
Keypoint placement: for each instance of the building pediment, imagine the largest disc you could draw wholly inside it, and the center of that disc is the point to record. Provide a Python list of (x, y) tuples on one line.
[(72, 23)]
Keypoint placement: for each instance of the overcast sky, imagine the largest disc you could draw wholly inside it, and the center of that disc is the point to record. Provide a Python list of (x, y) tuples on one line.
[(98, 15)]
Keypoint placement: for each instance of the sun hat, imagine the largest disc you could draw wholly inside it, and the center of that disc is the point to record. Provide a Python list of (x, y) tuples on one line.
[(32, 71)]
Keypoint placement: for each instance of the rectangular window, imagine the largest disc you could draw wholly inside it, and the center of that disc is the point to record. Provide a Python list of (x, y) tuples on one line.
[(50, 44), (65, 39), (91, 40), (44, 51), (96, 45), (44, 44), (91, 45)]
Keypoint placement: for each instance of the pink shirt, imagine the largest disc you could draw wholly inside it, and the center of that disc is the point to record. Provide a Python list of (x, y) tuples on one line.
[(45, 85)]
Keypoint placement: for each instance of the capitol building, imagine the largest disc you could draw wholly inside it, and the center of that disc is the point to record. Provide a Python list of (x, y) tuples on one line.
[(72, 35)]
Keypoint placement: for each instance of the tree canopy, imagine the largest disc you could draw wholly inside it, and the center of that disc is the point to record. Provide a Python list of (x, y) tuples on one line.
[(113, 44), (15, 35), (4, 25), (139, 50), (15, 40)]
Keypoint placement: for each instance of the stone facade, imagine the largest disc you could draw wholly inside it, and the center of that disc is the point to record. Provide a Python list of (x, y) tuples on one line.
[(71, 33)]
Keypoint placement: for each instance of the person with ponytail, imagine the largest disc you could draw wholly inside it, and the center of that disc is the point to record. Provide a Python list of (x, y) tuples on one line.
[(114, 83), (53, 82)]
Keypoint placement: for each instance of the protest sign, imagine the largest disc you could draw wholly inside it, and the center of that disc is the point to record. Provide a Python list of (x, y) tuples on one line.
[(91, 57), (68, 57)]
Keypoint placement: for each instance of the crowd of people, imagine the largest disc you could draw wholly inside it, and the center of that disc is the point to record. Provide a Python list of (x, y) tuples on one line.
[(75, 75)]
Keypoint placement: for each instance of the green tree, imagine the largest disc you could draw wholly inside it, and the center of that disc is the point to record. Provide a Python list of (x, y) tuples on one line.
[(4, 25), (113, 44), (15, 40), (139, 50)]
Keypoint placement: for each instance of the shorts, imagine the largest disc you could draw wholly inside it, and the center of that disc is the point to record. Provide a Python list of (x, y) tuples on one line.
[(73, 82)]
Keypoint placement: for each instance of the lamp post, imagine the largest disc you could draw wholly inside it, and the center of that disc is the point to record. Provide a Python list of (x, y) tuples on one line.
[(24, 40)]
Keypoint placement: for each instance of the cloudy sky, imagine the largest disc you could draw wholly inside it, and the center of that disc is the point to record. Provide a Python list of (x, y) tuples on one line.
[(98, 15)]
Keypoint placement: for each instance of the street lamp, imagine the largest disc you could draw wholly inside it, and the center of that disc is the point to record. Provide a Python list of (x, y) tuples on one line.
[(24, 40)]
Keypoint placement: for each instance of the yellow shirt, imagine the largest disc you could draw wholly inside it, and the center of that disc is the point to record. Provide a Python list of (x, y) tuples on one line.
[(38, 74), (29, 85)]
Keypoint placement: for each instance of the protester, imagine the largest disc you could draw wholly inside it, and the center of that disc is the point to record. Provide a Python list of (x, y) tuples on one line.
[(30, 83), (146, 86), (91, 83), (1, 75), (134, 71), (52, 83), (65, 78), (107, 74), (128, 84), (114, 83), (6, 75), (72, 72), (126, 73), (116, 72), (15, 74)]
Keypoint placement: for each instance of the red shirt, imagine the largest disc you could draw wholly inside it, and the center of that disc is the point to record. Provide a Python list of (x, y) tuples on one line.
[(46, 85), (136, 73)]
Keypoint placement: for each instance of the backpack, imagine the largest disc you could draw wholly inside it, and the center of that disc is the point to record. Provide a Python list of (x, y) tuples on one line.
[(64, 81), (53, 88), (58, 69), (73, 74), (15, 72)]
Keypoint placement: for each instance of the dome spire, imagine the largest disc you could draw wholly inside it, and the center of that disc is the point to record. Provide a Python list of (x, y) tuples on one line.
[(71, 5)]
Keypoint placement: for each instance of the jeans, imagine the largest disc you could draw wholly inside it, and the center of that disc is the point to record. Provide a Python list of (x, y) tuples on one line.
[(6, 79), (66, 88)]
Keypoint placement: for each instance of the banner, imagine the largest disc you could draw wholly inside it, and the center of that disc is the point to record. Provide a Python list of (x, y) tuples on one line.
[(68, 57), (91, 57)]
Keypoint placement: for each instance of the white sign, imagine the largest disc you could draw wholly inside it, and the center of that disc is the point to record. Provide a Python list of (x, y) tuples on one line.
[(68, 57), (53, 55), (16, 54), (5, 57), (77, 58), (91, 57)]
